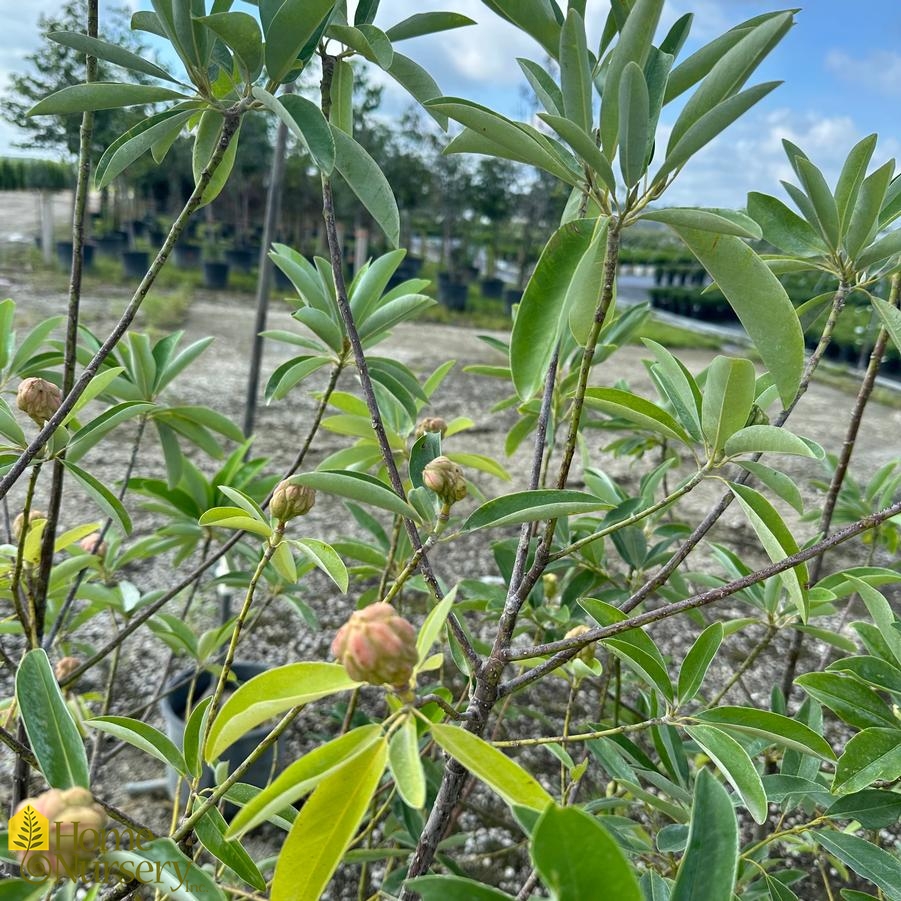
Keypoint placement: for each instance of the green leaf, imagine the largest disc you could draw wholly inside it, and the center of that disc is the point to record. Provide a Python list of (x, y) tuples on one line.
[(359, 487), (585, 148), (583, 293), (341, 114), (241, 33), (194, 729), (728, 396), (872, 863), (871, 755), (530, 506), (538, 323), (91, 433), (634, 114), (575, 855), (326, 559), (80, 98), (734, 763), (881, 250), (234, 518), (679, 386), (865, 217), (891, 319), (283, 561), (777, 482), (454, 888), (302, 776), (539, 19), (175, 871), (287, 33), (137, 141), (777, 541), (854, 170), (210, 830), (766, 439), (51, 731), (721, 222), (575, 72), (23, 890), (759, 301), (697, 661), (710, 125), (366, 180), (427, 23), (783, 227), (305, 121), (648, 667), (625, 405), (433, 625), (270, 694), (707, 870), (822, 200), (633, 45), (856, 703), (325, 827), (112, 53), (142, 736), (417, 82), (872, 808), (882, 615), (101, 496), (406, 767), (542, 83), (730, 73), (773, 727), (493, 767)]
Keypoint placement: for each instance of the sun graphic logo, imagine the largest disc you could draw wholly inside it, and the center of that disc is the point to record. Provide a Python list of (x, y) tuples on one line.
[(29, 830)]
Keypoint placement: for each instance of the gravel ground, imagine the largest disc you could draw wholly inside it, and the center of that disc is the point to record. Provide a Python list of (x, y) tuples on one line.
[(219, 381)]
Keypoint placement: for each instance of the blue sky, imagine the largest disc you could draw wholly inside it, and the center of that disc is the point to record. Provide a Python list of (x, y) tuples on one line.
[(840, 65)]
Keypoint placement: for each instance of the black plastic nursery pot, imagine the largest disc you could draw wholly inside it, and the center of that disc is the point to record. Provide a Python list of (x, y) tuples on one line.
[(511, 296), (111, 245), (135, 263), (493, 288), (215, 276), (186, 255), (454, 295), (172, 707), (64, 254), (240, 258)]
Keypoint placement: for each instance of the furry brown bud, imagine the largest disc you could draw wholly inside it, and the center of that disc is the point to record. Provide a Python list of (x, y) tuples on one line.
[(446, 479), (290, 500), (431, 424), (64, 668), (75, 832), (586, 654), (19, 522), (88, 543), (378, 646), (38, 398)]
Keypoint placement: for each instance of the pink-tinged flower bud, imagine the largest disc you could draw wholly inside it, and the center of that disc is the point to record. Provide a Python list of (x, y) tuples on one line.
[(88, 543), (71, 838), (586, 654), (290, 500), (377, 646), (430, 424), (446, 479), (19, 522), (64, 668), (38, 398)]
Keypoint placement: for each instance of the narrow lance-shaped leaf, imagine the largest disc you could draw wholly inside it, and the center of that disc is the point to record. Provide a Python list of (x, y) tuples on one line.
[(81, 98), (633, 127), (759, 301), (707, 870), (112, 53), (575, 72), (51, 731)]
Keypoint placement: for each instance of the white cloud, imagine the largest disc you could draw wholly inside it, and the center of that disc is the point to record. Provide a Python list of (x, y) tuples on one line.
[(878, 70), (749, 156)]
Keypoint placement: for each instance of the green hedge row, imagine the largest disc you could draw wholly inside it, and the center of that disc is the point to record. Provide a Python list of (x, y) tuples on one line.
[(30, 175)]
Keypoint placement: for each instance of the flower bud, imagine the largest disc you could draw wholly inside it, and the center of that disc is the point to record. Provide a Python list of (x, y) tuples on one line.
[(551, 585), (430, 424), (377, 646), (75, 832), (19, 522), (64, 668), (88, 543), (290, 500), (38, 398), (757, 417), (446, 479), (586, 654)]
